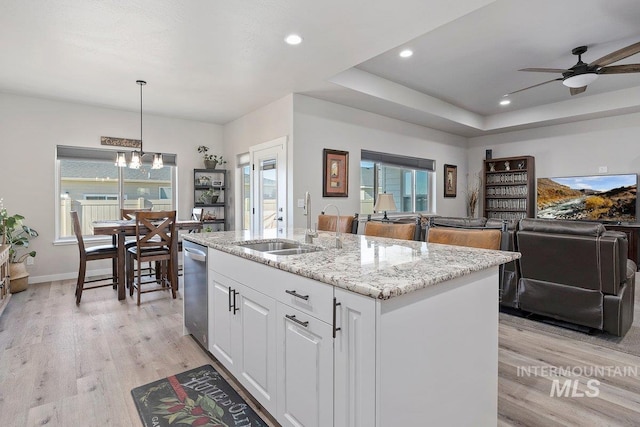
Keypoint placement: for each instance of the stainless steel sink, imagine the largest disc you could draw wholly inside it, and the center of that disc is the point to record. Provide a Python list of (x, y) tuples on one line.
[(280, 247)]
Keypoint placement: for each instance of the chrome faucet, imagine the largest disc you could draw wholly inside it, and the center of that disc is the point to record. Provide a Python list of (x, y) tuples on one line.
[(338, 238), (309, 233)]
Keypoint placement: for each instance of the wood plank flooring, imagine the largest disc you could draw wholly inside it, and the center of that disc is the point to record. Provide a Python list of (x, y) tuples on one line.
[(63, 365)]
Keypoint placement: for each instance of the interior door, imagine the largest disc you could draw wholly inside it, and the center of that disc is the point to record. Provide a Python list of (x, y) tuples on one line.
[(269, 188)]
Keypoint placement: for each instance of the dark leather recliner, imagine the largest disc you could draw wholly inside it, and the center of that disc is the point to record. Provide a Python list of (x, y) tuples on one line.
[(576, 272), (509, 272)]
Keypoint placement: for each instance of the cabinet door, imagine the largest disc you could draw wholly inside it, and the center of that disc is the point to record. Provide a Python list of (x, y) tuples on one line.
[(305, 369), (220, 336), (355, 360), (254, 329)]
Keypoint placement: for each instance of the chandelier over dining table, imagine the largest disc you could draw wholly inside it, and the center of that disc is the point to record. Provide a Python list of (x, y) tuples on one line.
[(136, 156)]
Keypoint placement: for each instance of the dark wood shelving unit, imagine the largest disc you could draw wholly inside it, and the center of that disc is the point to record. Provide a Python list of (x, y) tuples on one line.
[(205, 183), (509, 188)]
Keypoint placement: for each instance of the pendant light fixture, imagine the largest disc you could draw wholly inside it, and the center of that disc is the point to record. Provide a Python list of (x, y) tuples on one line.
[(136, 156)]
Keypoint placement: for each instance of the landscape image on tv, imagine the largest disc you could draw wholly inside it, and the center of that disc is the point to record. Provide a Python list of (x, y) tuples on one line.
[(591, 198)]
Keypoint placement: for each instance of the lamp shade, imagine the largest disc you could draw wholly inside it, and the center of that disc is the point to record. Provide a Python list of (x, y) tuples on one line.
[(385, 203), (579, 80)]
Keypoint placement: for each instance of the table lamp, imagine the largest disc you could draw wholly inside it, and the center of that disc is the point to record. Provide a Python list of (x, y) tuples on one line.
[(385, 203)]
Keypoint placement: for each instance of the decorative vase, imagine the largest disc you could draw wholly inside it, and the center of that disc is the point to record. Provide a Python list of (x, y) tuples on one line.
[(19, 277), (210, 164)]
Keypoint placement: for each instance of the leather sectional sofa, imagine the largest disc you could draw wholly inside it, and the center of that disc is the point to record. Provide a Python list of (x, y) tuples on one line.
[(573, 271)]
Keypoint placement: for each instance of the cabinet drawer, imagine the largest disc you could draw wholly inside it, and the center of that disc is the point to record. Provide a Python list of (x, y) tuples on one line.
[(309, 296)]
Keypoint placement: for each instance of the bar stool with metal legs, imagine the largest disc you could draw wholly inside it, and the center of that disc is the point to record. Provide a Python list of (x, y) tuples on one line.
[(92, 254)]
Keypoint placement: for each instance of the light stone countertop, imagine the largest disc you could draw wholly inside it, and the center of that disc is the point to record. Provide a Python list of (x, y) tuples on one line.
[(373, 266)]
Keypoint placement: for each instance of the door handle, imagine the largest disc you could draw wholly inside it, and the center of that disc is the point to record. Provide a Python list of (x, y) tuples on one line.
[(235, 307), (335, 309), (229, 294)]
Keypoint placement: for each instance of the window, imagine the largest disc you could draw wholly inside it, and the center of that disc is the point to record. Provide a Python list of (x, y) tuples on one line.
[(90, 183), (244, 168), (411, 181)]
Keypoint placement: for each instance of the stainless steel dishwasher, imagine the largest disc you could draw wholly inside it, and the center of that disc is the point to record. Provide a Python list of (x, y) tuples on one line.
[(196, 316)]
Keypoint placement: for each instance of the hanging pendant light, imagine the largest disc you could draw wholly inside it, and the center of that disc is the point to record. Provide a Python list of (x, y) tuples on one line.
[(121, 160), (157, 161), (136, 156)]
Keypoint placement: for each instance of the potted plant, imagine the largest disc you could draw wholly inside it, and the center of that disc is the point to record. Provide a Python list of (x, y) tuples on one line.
[(210, 160), (16, 234)]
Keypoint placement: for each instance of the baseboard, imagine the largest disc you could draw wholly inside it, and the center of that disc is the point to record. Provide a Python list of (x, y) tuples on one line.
[(68, 276)]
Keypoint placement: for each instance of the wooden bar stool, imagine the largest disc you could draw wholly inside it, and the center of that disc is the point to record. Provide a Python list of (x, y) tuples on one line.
[(92, 254), (155, 234)]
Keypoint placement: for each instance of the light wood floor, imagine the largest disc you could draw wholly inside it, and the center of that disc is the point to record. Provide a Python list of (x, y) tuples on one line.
[(63, 365)]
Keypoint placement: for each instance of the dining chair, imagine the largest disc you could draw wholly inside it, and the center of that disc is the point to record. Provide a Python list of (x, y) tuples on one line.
[(130, 214), (93, 253), (155, 242), (394, 231)]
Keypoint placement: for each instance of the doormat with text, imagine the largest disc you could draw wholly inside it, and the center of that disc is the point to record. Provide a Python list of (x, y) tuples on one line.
[(199, 397)]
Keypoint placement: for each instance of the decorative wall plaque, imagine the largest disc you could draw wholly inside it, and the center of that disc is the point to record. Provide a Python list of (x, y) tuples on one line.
[(120, 142)]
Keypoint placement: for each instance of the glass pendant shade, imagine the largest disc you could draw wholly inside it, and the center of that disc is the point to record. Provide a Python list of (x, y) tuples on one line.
[(121, 160), (157, 161), (135, 160)]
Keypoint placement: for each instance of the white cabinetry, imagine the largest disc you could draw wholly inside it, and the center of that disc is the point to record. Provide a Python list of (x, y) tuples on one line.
[(305, 369), (315, 355), (243, 336), (354, 360)]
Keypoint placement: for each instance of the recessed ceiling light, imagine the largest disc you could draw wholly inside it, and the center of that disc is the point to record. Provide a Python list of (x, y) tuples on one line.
[(505, 102), (293, 39), (406, 53)]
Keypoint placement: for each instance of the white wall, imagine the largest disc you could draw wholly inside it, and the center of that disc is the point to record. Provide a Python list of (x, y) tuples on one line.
[(264, 124), (320, 124), (570, 149), (30, 129)]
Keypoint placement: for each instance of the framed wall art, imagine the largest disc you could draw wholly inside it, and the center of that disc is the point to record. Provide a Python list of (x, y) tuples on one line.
[(335, 179), (450, 180)]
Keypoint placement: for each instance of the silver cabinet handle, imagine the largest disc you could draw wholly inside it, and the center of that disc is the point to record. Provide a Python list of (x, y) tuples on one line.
[(299, 322), (297, 295)]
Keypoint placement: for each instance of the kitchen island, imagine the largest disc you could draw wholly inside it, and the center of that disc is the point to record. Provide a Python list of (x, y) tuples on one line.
[(381, 332)]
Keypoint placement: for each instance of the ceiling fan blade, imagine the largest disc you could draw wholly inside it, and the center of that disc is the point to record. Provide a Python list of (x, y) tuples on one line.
[(531, 87), (545, 70), (617, 55), (577, 90), (620, 69)]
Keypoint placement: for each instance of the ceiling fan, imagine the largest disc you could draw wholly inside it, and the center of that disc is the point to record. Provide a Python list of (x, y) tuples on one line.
[(580, 75)]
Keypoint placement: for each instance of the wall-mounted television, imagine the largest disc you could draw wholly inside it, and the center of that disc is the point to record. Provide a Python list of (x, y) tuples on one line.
[(606, 198)]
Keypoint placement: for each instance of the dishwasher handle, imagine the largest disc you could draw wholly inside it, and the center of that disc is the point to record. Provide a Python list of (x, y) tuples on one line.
[(195, 254)]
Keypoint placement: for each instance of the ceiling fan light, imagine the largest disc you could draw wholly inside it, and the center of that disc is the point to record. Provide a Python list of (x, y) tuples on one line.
[(580, 80)]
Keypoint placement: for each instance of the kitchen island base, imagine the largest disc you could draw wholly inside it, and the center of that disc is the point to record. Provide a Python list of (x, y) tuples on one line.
[(427, 357)]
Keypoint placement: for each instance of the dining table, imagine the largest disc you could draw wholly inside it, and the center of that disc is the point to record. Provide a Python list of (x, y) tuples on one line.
[(120, 229)]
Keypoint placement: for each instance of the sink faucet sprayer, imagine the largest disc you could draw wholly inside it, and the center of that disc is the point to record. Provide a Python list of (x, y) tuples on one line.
[(309, 233), (338, 239)]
